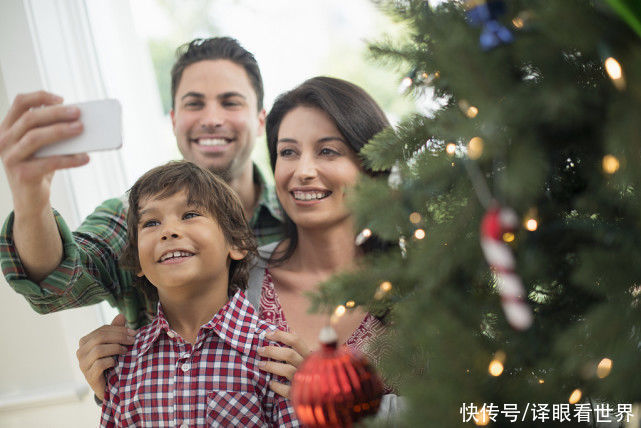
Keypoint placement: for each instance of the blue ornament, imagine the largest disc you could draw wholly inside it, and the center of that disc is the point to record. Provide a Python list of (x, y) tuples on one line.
[(483, 13)]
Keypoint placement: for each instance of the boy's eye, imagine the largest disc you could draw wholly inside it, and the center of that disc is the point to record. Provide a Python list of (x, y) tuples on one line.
[(150, 223), (190, 214)]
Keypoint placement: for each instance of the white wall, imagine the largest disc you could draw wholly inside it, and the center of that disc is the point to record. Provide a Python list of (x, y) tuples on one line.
[(82, 50)]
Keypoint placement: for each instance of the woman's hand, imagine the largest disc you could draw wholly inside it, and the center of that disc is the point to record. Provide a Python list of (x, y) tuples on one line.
[(96, 350), (291, 356)]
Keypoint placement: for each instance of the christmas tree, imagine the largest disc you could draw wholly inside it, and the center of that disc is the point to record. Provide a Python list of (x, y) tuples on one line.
[(515, 275)]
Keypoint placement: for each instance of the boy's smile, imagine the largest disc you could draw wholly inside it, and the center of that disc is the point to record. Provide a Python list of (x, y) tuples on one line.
[(181, 245)]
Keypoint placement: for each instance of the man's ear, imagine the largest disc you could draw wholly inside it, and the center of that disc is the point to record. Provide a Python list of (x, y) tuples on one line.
[(261, 123), (173, 120), (236, 254)]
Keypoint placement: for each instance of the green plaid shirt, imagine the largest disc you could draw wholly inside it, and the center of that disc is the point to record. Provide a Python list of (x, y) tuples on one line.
[(89, 272)]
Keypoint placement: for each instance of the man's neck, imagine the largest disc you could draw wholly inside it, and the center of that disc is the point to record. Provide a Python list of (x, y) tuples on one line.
[(248, 191), (186, 310)]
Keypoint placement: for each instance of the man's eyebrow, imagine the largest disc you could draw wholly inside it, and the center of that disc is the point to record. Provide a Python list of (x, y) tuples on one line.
[(193, 94), (231, 94)]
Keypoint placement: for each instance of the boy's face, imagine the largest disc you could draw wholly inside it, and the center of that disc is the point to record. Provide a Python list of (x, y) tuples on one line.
[(181, 246), (215, 117)]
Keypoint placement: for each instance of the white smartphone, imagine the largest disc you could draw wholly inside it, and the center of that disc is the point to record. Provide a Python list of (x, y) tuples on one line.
[(102, 130)]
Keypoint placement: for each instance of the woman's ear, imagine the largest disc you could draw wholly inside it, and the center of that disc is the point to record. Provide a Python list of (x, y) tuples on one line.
[(236, 254), (140, 274)]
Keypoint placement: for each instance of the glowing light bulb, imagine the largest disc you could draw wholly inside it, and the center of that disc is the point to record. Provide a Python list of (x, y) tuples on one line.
[(603, 368), (384, 288), (575, 396), (419, 234), (405, 84), (339, 311), (508, 237), (471, 112), (350, 304), (495, 368), (610, 164), (614, 70), (517, 22), (541, 381), (363, 236), (415, 218), (450, 149), (531, 224), (482, 417), (475, 148)]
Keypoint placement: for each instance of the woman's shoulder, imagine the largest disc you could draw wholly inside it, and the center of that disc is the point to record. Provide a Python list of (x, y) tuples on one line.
[(257, 272)]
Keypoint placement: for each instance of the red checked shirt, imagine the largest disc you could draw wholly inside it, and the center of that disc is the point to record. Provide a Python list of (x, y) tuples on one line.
[(164, 381)]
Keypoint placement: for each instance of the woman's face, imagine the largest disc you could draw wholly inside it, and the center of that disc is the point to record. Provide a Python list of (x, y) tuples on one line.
[(314, 167)]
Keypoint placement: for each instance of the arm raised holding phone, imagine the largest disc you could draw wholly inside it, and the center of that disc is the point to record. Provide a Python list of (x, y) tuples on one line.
[(36, 120)]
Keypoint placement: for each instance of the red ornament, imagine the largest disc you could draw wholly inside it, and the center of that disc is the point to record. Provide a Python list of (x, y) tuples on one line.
[(335, 386)]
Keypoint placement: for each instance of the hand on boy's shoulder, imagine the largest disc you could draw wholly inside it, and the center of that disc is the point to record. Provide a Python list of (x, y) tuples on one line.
[(98, 350)]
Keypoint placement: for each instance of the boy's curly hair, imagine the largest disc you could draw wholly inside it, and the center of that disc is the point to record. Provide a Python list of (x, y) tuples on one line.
[(205, 190)]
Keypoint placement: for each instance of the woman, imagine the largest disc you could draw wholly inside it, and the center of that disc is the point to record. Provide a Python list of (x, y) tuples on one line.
[(314, 135)]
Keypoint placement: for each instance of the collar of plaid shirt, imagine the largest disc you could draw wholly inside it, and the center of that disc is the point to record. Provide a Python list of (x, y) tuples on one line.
[(235, 323)]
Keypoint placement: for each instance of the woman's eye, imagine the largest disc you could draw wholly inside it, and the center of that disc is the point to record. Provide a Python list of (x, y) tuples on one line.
[(285, 152), (150, 223), (325, 152)]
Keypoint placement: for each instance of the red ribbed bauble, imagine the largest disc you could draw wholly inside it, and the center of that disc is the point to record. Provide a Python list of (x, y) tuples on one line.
[(335, 386)]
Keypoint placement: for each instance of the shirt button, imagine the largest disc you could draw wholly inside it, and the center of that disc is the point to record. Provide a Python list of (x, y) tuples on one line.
[(183, 426), (185, 367), (171, 334)]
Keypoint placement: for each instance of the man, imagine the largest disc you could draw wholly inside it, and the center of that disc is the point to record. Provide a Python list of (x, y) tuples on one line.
[(217, 114)]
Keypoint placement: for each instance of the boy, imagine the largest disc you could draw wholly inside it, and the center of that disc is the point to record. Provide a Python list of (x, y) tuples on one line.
[(196, 363)]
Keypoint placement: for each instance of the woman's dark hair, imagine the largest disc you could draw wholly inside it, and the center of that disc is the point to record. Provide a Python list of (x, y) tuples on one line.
[(356, 115), (204, 190)]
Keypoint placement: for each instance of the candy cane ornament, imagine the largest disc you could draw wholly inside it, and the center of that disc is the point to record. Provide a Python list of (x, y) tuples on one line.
[(496, 222)]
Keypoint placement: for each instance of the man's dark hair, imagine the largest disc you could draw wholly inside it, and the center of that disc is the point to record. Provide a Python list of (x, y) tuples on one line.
[(356, 115), (205, 190), (216, 48)]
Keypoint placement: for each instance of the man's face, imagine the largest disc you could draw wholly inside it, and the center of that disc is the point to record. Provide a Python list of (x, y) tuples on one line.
[(215, 117)]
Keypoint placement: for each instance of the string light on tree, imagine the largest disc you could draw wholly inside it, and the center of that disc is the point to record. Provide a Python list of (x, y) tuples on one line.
[(531, 224), (614, 70), (450, 149), (496, 365), (575, 397), (383, 289), (610, 164), (419, 234), (603, 368), (363, 236), (350, 304), (475, 148), (405, 84), (508, 237), (482, 418), (472, 112), (415, 218)]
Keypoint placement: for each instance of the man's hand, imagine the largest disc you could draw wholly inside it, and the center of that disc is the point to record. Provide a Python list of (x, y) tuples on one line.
[(33, 121), (291, 356), (96, 350)]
